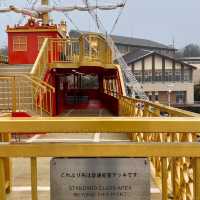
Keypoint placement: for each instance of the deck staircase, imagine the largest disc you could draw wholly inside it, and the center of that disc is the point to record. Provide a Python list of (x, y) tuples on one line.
[(6, 87), (6, 69), (19, 91)]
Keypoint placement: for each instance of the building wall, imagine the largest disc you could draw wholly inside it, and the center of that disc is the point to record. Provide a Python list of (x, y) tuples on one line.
[(196, 74), (163, 91), (160, 76)]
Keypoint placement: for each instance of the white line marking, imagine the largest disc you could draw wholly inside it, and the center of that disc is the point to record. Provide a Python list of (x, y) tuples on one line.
[(78, 140), (28, 188), (32, 139), (47, 189), (155, 191), (62, 140), (97, 137)]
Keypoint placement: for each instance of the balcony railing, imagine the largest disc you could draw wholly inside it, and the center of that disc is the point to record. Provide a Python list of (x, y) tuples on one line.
[(88, 50)]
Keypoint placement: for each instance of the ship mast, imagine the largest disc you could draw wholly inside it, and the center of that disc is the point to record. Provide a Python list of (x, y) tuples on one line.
[(45, 16)]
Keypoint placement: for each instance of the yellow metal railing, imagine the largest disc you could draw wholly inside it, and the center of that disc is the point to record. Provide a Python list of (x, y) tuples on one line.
[(142, 108), (89, 49), (64, 51), (3, 59), (40, 66), (95, 49), (178, 170), (25, 93), (177, 162)]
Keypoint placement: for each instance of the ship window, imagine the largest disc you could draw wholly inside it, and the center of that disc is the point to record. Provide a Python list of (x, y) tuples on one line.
[(19, 43)]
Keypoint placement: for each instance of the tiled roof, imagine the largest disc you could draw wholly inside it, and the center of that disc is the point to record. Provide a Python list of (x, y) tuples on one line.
[(139, 54), (138, 42), (135, 55)]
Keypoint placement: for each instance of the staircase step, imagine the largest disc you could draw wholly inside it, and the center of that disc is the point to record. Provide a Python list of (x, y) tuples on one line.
[(16, 69)]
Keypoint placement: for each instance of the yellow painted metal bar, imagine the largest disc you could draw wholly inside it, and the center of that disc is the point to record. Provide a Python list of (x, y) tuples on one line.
[(44, 83), (6, 137), (172, 111), (100, 124), (39, 58), (164, 179), (34, 178), (2, 180), (197, 179), (100, 150), (14, 98)]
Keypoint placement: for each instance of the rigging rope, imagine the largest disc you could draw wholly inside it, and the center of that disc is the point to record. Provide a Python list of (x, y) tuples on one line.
[(67, 15), (129, 77), (117, 19)]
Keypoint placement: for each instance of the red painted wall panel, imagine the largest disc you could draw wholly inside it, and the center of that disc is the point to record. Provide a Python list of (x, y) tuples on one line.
[(29, 56)]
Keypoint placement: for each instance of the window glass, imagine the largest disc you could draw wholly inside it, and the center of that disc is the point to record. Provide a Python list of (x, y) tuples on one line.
[(187, 76), (177, 74), (168, 74), (147, 75), (180, 97), (138, 75), (158, 75), (87, 82), (19, 43)]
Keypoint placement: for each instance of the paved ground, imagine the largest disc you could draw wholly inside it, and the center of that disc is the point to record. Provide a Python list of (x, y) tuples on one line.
[(21, 167)]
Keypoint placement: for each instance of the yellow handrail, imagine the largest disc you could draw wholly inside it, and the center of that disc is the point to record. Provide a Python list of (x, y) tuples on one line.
[(41, 63), (39, 95), (176, 162), (44, 83), (128, 106)]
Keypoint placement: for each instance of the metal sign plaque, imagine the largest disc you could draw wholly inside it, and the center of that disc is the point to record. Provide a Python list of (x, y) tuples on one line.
[(100, 179)]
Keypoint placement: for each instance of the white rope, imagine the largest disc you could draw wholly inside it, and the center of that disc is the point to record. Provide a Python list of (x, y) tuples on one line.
[(133, 84), (118, 17)]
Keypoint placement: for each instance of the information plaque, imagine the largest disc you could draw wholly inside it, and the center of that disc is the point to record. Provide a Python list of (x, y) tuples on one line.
[(100, 178)]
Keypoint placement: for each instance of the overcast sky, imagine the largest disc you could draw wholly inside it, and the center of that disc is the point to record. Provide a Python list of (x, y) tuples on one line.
[(158, 20)]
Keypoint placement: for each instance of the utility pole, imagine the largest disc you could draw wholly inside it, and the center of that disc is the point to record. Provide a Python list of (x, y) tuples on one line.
[(45, 17)]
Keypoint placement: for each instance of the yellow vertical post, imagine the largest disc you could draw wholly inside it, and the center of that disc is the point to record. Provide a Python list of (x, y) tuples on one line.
[(196, 179), (14, 95), (34, 178), (146, 110), (50, 102), (41, 102), (2, 180), (175, 177), (174, 172), (8, 165), (164, 179)]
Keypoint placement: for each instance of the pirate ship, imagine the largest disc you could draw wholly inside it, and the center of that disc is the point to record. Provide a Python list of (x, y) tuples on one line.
[(48, 73), (70, 73)]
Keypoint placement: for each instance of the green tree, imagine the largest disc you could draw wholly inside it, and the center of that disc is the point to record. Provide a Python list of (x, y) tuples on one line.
[(191, 50), (4, 51)]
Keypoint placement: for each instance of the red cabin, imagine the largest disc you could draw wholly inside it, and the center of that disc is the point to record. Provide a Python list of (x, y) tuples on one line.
[(24, 42)]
